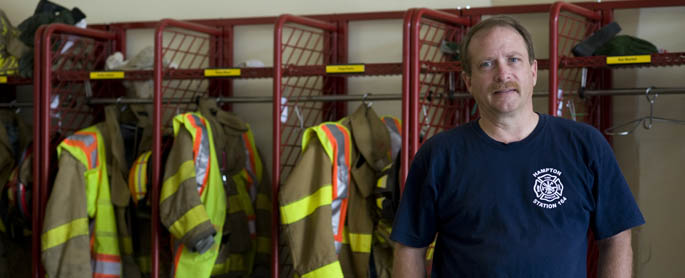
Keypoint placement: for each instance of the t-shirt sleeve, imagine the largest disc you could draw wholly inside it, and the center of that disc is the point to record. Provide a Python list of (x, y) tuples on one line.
[(615, 208), (415, 220)]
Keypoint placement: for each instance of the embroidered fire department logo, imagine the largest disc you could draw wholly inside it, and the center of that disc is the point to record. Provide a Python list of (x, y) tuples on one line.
[(548, 188)]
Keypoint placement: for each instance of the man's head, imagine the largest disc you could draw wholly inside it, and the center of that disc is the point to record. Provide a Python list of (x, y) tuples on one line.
[(498, 68), (503, 21)]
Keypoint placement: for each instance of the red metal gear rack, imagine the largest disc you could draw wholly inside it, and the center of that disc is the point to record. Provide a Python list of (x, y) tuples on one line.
[(577, 24), (427, 82), (308, 44), (59, 93), (303, 47), (570, 24), (194, 47)]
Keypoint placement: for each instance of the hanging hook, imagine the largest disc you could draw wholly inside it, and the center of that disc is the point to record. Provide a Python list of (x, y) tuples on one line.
[(365, 100), (649, 121), (299, 116), (571, 109), (13, 105), (122, 108)]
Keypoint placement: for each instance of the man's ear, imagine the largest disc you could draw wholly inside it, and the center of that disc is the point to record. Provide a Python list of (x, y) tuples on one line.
[(534, 70), (467, 80)]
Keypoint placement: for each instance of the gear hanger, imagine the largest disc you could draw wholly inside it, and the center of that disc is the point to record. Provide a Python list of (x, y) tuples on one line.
[(646, 121)]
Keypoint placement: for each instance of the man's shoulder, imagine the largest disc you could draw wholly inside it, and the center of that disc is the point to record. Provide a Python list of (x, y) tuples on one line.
[(445, 143), (451, 137), (564, 125), (571, 133)]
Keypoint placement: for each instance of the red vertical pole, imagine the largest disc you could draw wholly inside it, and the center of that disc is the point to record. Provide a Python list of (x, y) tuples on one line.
[(607, 109), (415, 84), (276, 144), (406, 85), (227, 61), (553, 57), (342, 54), (156, 148), (36, 220)]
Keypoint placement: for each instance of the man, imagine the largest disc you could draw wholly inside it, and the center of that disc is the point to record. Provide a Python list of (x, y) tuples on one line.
[(514, 193)]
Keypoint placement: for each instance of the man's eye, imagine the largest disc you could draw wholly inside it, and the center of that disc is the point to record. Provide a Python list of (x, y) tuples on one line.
[(485, 64), (514, 59)]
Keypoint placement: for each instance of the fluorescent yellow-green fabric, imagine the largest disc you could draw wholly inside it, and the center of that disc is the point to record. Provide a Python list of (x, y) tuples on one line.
[(263, 202), (358, 242), (88, 147), (190, 220), (323, 138), (137, 177), (170, 186), (328, 271), (263, 244), (192, 264), (243, 196), (61, 234), (296, 211)]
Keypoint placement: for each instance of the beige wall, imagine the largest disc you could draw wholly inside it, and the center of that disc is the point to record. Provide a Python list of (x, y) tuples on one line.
[(652, 160)]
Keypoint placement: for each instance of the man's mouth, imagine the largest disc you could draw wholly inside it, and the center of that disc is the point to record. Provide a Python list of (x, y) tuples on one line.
[(506, 90)]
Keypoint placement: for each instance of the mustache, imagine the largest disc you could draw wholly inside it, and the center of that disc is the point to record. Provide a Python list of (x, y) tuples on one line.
[(505, 85)]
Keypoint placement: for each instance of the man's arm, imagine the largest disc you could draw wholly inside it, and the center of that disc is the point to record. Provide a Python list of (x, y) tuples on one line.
[(409, 262), (616, 256)]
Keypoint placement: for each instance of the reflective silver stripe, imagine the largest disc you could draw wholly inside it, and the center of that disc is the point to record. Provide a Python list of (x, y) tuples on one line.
[(252, 188), (252, 226), (343, 177), (202, 155), (395, 137), (343, 168), (338, 245), (108, 268), (87, 140)]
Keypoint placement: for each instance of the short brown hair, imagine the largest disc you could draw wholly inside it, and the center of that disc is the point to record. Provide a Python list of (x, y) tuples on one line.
[(500, 20)]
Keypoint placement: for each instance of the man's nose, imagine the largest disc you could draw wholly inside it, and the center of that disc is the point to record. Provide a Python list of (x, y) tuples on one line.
[(503, 72)]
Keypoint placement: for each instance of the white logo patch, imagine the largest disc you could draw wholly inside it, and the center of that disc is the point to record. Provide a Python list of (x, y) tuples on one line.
[(548, 188)]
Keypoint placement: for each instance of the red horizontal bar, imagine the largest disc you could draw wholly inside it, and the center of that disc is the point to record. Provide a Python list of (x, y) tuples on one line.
[(73, 30), (18, 80), (168, 22), (272, 19), (518, 9), (474, 11)]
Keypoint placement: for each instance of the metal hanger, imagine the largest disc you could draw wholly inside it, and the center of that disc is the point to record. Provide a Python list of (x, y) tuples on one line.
[(646, 122), (365, 100)]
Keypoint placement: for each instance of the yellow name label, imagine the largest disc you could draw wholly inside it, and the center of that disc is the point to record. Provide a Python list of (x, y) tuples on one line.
[(222, 72), (635, 59), (345, 68), (107, 75), (3, 79)]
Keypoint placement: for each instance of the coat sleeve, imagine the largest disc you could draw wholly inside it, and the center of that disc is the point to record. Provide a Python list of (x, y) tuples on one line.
[(262, 206), (305, 206), (65, 241), (181, 209)]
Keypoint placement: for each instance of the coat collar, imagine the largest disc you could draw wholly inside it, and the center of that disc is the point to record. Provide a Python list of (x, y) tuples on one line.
[(227, 131), (208, 108), (370, 137)]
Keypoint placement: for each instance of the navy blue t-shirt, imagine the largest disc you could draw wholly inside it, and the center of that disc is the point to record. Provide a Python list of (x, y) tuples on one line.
[(521, 209)]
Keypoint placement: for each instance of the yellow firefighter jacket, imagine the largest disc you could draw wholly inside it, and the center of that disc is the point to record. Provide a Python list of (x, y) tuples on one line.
[(325, 202), (248, 189), (192, 199), (84, 234)]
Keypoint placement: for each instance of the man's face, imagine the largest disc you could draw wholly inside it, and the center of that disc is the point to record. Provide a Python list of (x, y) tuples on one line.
[(502, 78)]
